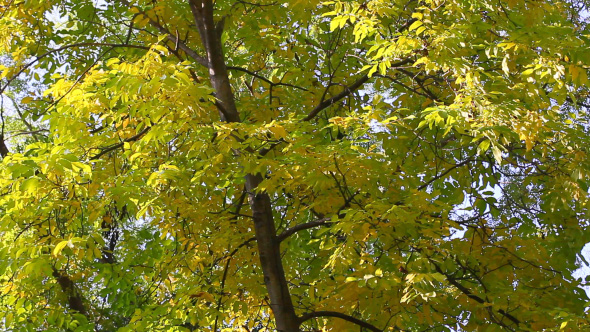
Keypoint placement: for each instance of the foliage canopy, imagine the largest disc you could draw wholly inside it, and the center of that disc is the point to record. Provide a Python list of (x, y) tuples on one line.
[(388, 165)]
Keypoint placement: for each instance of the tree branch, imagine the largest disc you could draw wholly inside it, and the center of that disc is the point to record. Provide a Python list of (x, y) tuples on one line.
[(317, 314), (346, 92), (469, 294), (75, 301), (173, 38), (463, 163), (290, 231), (269, 252), (118, 145), (203, 16), (262, 78), (3, 148), (329, 102), (38, 58), (420, 83)]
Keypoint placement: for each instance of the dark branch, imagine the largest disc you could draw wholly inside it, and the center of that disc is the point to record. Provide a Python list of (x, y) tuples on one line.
[(220, 299), (29, 132), (346, 92), (118, 145), (329, 102), (290, 231), (470, 295), (346, 317), (421, 83), (262, 78), (463, 163), (75, 301), (215, 60), (3, 148)]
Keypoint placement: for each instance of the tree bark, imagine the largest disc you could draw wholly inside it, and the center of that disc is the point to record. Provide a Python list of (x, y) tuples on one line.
[(265, 232)]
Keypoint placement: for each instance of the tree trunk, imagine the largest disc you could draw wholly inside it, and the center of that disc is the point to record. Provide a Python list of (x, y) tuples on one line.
[(268, 245), (270, 257)]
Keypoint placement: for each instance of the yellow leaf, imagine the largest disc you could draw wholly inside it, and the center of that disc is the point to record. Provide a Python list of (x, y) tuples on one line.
[(112, 62), (278, 131), (334, 25), (59, 247), (30, 185), (583, 78), (497, 154), (415, 25), (505, 67), (161, 49), (136, 316), (26, 100)]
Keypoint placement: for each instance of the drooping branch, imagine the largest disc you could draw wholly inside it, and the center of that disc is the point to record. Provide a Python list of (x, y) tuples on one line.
[(220, 299), (228, 258), (317, 314), (292, 230), (32, 130)]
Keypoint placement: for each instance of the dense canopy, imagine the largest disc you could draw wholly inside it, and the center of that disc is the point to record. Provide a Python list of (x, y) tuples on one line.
[(275, 165)]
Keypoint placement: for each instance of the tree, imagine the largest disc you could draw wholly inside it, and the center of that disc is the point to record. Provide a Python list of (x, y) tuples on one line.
[(295, 165)]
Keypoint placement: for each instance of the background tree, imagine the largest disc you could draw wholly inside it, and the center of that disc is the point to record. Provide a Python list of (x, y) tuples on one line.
[(295, 165)]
